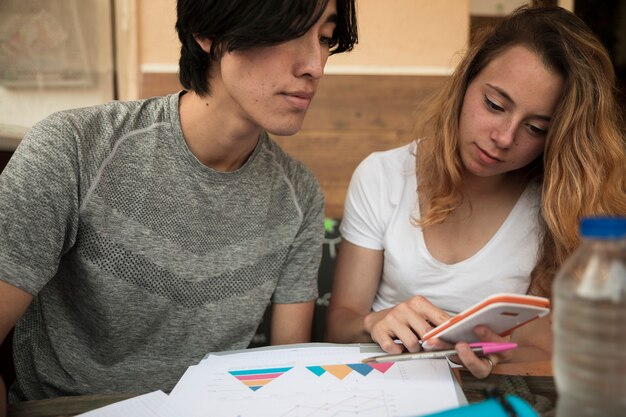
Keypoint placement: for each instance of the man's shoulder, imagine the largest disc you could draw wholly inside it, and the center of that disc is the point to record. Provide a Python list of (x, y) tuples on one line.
[(113, 112), (302, 180), (291, 165), (102, 124)]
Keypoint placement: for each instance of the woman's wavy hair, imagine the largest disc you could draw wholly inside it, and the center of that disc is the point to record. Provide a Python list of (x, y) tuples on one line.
[(241, 24), (583, 166)]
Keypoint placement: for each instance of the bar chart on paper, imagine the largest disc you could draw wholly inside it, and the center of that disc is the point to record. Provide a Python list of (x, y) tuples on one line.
[(314, 383)]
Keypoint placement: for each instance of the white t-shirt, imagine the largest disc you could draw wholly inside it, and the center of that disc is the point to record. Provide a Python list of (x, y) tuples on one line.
[(381, 199)]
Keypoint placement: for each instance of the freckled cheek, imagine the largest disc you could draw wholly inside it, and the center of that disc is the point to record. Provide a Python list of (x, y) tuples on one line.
[(473, 123), (531, 152), (258, 92), (537, 148), (472, 115)]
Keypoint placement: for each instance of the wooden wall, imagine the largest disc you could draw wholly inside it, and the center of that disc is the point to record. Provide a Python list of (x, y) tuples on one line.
[(350, 117)]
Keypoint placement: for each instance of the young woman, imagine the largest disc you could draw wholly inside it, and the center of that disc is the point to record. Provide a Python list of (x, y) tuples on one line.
[(525, 138)]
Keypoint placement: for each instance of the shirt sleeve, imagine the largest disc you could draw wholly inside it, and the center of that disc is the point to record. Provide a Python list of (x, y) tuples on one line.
[(38, 204), (363, 222), (298, 282)]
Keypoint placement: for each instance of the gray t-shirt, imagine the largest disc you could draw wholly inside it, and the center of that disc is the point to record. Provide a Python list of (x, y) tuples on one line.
[(140, 258)]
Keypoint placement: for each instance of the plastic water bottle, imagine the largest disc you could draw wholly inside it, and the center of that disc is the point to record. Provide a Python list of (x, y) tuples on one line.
[(589, 324)]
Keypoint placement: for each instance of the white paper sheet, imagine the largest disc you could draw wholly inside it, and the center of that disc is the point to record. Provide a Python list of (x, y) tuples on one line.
[(313, 382), (153, 404)]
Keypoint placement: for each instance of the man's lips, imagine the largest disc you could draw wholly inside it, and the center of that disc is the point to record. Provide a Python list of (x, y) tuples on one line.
[(299, 99)]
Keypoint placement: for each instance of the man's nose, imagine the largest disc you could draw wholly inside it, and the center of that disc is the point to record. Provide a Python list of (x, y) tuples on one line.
[(312, 57)]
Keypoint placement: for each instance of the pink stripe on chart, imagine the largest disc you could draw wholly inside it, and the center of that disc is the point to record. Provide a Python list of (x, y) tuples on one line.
[(257, 376)]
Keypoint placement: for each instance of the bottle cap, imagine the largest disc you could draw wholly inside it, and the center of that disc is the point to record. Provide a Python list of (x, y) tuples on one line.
[(603, 227)]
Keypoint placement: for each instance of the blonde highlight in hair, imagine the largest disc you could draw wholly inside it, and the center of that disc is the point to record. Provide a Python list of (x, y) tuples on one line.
[(584, 161), (438, 164)]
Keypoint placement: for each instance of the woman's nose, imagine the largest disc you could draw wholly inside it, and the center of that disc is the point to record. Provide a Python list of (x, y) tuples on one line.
[(504, 135)]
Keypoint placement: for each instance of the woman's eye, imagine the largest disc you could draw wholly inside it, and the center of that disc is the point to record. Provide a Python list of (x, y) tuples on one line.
[(492, 104), (537, 131)]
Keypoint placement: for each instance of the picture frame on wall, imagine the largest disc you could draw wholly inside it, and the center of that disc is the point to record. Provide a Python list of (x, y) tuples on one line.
[(46, 43)]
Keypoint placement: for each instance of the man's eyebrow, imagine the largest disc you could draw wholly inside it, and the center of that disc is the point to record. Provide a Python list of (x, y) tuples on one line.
[(332, 18), (508, 98)]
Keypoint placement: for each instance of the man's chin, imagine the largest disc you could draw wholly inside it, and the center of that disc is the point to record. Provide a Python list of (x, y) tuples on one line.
[(284, 130)]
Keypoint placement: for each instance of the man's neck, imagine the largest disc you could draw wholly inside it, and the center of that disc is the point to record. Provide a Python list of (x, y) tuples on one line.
[(216, 139)]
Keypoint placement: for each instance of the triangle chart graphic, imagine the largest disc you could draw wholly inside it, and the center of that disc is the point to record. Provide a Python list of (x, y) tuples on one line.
[(382, 367), (343, 370), (339, 371), (317, 370), (362, 368), (257, 378)]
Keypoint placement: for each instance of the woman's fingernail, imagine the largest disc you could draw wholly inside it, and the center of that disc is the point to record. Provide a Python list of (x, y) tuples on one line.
[(426, 345)]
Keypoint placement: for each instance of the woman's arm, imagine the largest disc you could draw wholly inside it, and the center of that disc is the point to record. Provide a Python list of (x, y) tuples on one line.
[(357, 276), (350, 319)]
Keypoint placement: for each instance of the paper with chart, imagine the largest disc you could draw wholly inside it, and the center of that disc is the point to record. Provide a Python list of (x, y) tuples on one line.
[(313, 382), (153, 404)]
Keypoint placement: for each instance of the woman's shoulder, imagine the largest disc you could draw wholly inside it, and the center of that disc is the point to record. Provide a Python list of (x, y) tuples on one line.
[(386, 175), (392, 162)]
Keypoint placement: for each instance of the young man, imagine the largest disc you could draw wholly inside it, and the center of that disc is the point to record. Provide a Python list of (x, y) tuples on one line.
[(136, 237)]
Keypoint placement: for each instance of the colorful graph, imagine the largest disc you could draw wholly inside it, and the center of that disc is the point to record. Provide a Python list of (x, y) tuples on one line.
[(343, 370), (258, 378)]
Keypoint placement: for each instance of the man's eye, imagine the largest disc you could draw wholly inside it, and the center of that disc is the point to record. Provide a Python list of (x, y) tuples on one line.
[(325, 40)]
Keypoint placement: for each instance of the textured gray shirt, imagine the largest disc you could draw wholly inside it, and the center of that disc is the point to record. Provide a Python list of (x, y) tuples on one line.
[(140, 258)]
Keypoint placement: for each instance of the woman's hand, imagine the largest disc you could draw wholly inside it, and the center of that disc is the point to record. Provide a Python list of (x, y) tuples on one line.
[(481, 366), (405, 322)]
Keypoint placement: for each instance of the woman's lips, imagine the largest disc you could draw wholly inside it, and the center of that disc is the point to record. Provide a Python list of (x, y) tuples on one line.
[(486, 157)]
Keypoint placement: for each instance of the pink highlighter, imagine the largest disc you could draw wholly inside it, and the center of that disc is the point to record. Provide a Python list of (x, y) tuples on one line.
[(480, 348)]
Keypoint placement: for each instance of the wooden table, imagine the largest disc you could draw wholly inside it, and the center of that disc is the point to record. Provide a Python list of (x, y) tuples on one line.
[(535, 380)]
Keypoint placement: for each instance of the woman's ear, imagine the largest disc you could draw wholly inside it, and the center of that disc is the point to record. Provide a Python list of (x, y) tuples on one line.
[(205, 43)]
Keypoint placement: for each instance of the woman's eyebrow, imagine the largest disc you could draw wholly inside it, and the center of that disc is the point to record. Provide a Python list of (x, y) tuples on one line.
[(503, 93), (508, 98)]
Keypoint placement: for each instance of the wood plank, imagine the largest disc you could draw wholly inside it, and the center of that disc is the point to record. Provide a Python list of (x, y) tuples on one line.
[(373, 102), (540, 386), (334, 155), (158, 84)]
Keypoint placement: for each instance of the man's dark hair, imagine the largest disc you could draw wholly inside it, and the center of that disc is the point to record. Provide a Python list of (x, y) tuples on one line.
[(240, 24)]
